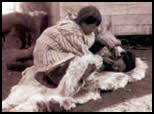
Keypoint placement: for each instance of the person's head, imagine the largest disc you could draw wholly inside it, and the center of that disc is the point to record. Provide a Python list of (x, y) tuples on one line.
[(89, 18), (126, 63)]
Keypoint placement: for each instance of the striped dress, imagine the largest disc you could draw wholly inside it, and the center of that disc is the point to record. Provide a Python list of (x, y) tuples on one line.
[(61, 42)]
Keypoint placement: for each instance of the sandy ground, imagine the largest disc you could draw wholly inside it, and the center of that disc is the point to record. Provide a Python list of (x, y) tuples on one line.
[(141, 104), (135, 97)]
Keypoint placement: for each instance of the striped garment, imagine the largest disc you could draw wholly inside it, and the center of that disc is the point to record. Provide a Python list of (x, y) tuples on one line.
[(62, 41)]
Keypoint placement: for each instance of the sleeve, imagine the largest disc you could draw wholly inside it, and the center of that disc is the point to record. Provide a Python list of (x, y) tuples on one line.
[(73, 43)]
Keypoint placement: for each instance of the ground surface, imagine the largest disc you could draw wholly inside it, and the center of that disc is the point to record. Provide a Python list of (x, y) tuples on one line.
[(135, 97)]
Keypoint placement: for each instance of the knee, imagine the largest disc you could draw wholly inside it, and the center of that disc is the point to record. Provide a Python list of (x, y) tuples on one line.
[(92, 59)]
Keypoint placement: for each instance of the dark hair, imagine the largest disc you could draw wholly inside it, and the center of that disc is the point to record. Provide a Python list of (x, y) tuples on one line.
[(89, 15), (129, 60)]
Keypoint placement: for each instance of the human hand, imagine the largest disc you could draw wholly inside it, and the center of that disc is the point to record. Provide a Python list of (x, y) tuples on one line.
[(118, 51)]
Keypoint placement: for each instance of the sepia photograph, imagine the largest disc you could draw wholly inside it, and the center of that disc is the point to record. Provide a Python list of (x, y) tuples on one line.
[(76, 56)]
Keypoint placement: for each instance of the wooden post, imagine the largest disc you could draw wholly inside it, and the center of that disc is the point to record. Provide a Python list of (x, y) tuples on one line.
[(54, 15)]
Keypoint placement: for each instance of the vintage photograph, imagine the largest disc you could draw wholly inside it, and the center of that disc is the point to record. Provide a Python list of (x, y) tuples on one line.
[(76, 56)]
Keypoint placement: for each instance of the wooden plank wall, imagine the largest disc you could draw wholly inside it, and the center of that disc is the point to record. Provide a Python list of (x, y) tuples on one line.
[(127, 18)]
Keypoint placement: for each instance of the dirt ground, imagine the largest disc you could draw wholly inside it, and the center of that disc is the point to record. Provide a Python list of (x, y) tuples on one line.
[(109, 99)]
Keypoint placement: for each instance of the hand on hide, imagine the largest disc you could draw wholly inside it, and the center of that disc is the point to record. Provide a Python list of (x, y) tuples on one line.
[(118, 51)]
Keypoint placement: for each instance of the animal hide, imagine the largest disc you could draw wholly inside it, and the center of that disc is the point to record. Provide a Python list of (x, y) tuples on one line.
[(31, 96)]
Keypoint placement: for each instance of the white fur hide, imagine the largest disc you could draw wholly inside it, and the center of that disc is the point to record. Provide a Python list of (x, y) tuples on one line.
[(30, 96)]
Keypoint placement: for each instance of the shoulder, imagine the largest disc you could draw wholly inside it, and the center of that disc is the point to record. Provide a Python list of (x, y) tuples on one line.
[(68, 27), (63, 28)]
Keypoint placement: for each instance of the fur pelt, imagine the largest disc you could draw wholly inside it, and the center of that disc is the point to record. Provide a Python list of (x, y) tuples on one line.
[(30, 96)]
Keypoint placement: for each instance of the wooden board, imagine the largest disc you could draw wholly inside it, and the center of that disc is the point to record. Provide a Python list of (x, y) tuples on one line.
[(126, 17)]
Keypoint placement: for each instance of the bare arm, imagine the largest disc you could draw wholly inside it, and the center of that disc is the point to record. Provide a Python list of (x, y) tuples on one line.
[(107, 38)]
